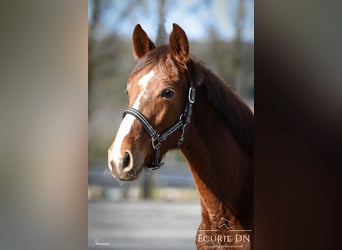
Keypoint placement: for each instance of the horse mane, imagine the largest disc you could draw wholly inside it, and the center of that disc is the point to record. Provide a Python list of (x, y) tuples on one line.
[(237, 115), (230, 106)]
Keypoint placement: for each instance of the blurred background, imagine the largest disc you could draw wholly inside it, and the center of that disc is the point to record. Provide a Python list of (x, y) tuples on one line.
[(221, 34), (44, 136)]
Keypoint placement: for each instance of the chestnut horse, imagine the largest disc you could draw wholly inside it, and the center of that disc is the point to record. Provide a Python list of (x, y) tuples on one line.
[(176, 102)]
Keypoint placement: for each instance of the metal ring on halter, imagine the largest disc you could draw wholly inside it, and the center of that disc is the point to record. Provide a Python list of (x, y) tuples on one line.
[(192, 95)]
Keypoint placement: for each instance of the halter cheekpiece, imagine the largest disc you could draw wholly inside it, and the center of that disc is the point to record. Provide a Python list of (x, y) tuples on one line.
[(156, 138)]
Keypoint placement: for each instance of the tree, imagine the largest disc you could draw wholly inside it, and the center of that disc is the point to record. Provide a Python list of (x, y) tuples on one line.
[(148, 183), (237, 44), (161, 33)]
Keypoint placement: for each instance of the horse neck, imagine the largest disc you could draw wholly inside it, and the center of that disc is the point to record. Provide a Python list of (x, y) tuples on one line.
[(221, 168)]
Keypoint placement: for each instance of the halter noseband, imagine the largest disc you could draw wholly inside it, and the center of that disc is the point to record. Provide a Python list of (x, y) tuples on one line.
[(157, 139)]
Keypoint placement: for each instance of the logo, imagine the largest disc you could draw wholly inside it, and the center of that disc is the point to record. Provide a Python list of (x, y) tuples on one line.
[(98, 243), (223, 223), (224, 237)]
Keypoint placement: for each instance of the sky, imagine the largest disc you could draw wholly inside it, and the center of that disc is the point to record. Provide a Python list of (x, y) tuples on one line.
[(193, 16)]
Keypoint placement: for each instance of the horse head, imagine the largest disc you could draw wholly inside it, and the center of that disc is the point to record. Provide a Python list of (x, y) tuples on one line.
[(160, 98)]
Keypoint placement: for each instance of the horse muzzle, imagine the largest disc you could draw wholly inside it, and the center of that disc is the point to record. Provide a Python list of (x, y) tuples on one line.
[(123, 166)]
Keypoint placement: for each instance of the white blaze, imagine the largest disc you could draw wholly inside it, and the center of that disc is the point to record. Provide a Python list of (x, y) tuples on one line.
[(127, 122)]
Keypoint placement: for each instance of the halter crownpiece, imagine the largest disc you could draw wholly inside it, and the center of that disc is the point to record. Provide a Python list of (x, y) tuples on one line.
[(156, 138)]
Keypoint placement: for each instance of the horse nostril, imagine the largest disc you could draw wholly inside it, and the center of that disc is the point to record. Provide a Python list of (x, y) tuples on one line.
[(126, 160)]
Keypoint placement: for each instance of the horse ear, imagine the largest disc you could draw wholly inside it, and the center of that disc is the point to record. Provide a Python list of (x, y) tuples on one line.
[(179, 44), (141, 42)]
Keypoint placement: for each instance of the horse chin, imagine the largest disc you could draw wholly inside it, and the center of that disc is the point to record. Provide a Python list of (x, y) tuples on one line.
[(132, 175)]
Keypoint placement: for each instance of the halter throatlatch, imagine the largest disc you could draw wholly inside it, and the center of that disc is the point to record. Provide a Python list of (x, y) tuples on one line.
[(156, 138)]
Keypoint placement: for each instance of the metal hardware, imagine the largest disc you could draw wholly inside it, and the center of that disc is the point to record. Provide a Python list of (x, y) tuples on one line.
[(156, 142), (181, 139), (192, 95)]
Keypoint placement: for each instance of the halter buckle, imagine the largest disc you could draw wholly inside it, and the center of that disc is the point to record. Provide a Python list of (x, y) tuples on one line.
[(192, 95), (156, 142)]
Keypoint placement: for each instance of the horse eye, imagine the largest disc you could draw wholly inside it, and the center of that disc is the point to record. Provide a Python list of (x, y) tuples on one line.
[(167, 93)]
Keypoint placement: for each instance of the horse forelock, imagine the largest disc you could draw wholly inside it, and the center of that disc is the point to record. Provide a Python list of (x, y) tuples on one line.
[(151, 59), (159, 57)]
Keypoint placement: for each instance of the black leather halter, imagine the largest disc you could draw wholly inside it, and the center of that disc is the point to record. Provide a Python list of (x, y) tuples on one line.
[(157, 139)]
